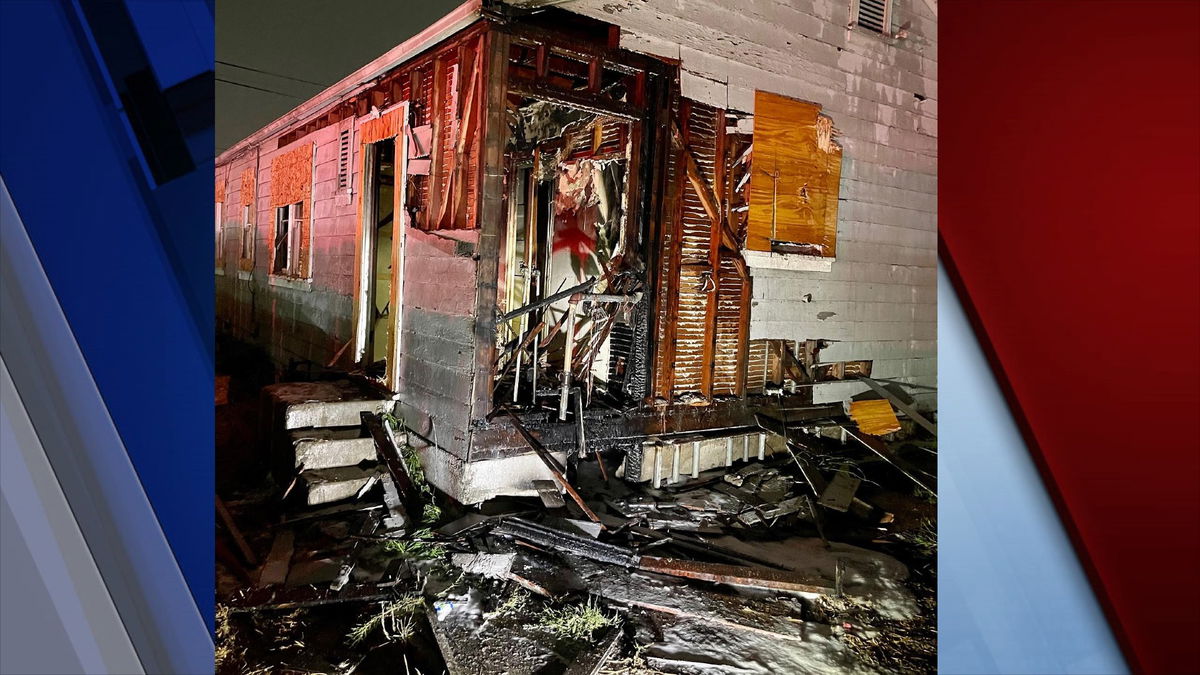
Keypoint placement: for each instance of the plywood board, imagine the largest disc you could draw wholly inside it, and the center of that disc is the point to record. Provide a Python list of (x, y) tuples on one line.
[(874, 417), (794, 182)]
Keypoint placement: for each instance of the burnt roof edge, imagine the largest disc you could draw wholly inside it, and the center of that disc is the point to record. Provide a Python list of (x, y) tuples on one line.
[(459, 18)]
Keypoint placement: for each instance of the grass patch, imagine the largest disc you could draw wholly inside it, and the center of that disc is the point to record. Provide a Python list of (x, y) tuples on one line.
[(515, 602), (576, 622), (923, 537), (393, 619), (418, 546), (924, 495), (431, 514)]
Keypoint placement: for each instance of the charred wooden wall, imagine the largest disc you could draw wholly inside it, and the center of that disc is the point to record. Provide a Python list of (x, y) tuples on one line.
[(877, 298)]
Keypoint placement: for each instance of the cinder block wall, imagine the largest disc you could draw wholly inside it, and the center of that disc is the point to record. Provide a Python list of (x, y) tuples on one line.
[(879, 297), (313, 320), (292, 319)]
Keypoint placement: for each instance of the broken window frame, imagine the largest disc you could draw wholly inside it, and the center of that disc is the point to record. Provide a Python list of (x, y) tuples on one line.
[(246, 240), (292, 216), (219, 240)]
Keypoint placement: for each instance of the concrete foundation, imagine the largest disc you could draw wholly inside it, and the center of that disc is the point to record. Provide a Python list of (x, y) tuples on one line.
[(478, 481)]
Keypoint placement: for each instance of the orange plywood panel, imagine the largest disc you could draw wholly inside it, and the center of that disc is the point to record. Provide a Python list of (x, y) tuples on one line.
[(794, 184), (874, 417)]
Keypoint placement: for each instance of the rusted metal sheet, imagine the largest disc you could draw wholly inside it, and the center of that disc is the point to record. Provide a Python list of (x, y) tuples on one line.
[(754, 577)]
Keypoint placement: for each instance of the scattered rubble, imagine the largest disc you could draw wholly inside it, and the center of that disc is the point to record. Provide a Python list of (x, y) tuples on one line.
[(813, 557)]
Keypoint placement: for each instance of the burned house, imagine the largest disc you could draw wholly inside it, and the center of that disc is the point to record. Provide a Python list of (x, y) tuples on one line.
[(602, 230)]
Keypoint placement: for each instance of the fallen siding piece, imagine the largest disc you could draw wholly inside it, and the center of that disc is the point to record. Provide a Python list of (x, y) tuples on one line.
[(735, 575), (879, 448), (275, 568), (875, 417), (904, 407), (548, 491), (840, 492), (558, 540)]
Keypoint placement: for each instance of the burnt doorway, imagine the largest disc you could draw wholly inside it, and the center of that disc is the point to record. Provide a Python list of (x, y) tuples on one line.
[(379, 231)]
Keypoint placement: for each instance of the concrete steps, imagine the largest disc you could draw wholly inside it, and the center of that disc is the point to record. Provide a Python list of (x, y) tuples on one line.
[(329, 448), (316, 429), (323, 486), (314, 405)]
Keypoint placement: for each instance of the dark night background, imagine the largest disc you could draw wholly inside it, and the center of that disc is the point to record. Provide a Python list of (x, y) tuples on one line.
[(273, 55)]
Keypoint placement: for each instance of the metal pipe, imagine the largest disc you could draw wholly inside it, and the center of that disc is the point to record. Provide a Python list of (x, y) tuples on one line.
[(551, 299), (567, 353)]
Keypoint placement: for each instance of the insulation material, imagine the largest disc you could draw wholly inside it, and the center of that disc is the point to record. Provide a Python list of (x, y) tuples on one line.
[(219, 191), (874, 417), (794, 186), (247, 192), (587, 206)]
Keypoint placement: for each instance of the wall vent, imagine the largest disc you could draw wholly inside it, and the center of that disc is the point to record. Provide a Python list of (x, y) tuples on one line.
[(343, 175), (873, 15)]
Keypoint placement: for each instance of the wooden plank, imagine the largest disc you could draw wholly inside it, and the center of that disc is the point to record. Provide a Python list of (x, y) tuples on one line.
[(235, 533), (794, 186), (904, 407), (874, 417), (391, 458), (735, 575), (492, 136), (555, 469), (275, 569)]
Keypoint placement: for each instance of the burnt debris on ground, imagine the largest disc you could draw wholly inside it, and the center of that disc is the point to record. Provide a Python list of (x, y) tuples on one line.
[(816, 557)]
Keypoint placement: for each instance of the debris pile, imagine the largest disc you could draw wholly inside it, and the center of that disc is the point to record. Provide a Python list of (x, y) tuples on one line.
[(789, 563)]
